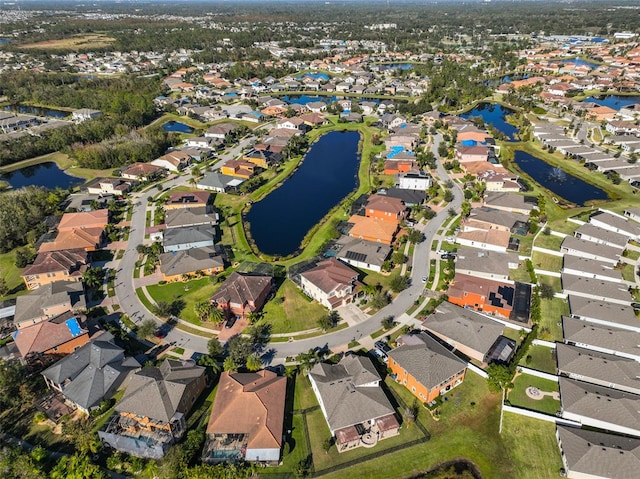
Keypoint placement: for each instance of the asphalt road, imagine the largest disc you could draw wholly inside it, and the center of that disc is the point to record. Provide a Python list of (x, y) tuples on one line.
[(132, 306)]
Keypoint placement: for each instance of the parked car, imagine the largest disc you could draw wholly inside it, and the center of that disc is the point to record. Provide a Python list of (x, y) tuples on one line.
[(382, 346), (447, 256), (230, 322), (424, 279), (379, 354)]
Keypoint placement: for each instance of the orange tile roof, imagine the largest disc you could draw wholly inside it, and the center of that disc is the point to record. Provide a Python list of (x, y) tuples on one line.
[(88, 219), (372, 229)]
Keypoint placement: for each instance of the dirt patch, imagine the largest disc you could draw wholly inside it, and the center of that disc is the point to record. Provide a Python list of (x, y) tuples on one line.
[(76, 42)]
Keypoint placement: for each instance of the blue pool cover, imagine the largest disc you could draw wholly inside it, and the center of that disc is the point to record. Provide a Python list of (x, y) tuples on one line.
[(74, 327)]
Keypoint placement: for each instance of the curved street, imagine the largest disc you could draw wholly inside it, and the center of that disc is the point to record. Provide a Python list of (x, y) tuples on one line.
[(278, 351)]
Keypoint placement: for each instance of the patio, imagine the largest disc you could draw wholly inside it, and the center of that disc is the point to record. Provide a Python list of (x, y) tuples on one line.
[(54, 406)]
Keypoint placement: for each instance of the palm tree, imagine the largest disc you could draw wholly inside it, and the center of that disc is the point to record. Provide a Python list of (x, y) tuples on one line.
[(146, 328), (93, 277), (216, 315), (162, 309), (202, 310), (254, 363)]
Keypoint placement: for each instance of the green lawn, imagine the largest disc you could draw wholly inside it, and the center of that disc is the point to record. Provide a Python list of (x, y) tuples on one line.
[(518, 397), (634, 255), (549, 242), (290, 310), (304, 398), (628, 272), (190, 292), (542, 359), (546, 262), (11, 274), (551, 321), (563, 226), (521, 274), (531, 447), (554, 281), (526, 243)]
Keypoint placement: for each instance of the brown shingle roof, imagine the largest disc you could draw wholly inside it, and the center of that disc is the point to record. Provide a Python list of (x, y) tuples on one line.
[(252, 404), (54, 261), (241, 289), (330, 274)]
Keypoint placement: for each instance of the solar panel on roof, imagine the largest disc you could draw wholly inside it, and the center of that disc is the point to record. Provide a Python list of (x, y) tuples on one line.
[(361, 257)]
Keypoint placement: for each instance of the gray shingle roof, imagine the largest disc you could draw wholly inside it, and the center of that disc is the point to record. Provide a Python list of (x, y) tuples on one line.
[(194, 234), (591, 266), (346, 391), (30, 306), (190, 260), (599, 454), (464, 326), (579, 245), (189, 217), (156, 392), (490, 262), (429, 362), (619, 314), (600, 336), (600, 403), (601, 234), (581, 286), (594, 366)]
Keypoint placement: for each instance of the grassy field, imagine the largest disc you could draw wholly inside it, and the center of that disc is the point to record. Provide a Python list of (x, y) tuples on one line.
[(531, 447), (563, 226), (542, 359), (546, 262), (549, 242), (551, 312), (88, 41), (518, 397), (554, 281), (628, 272), (291, 311), (190, 292), (521, 274), (11, 274)]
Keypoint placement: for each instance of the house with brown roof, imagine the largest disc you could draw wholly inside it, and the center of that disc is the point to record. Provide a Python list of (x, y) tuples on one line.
[(313, 119), (49, 340), (84, 230), (468, 154), (187, 199), (109, 186), (173, 161), (600, 113), (151, 416), (263, 158), (142, 172), (247, 419), (241, 294), (331, 283), (239, 169), (386, 208), (50, 266)]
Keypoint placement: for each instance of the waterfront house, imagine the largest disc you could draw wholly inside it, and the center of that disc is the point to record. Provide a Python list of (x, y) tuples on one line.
[(142, 172)]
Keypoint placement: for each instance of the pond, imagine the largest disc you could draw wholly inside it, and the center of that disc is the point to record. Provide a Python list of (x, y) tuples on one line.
[(327, 174), (39, 111), (614, 101), (177, 127), (44, 174), (495, 115), (396, 66), (558, 181)]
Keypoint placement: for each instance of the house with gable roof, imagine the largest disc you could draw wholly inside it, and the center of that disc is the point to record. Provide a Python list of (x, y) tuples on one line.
[(241, 294), (331, 283)]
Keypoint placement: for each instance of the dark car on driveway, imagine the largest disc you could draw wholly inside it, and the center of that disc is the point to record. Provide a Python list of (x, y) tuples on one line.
[(230, 322), (382, 346)]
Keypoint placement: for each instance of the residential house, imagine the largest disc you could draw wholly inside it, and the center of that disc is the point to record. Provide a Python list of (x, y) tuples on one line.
[(616, 223), (177, 265), (385, 208), (331, 283), (48, 301), (176, 239), (408, 197), (52, 338), (485, 218), (600, 407), (219, 183), (589, 250), (601, 113), (595, 234), (314, 119), (599, 368), (483, 295), (221, 131), (362, 254), (247, 419), (151, 416), (511, 202), (497, 180), (601, 337), (50, 266), (354, 405), (486, 264), (589, 268), (142, 172), (603, 313), (371, 229), (316, 107), (92, 373), (190, 217), (597, 455), (596, 289), (239, 169), (204, 143), (414, 180), (173, 161), (262, 158), (109, 186), (180, 200), (425, 367), (468, 154), (489, 240), (84, 114), (471, 333), (241, 294)]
